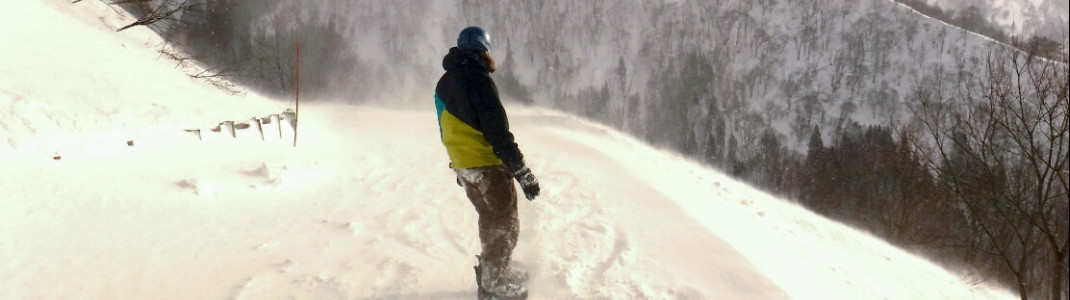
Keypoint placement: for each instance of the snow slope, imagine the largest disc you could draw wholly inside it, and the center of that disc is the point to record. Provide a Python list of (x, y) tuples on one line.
[(365, 207), (1020, 17)]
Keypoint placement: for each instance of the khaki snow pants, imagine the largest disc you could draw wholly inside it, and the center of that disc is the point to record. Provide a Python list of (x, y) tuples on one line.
[(492, 193)]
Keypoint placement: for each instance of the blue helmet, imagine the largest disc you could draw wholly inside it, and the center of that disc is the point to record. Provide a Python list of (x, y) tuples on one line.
[(474, 38)]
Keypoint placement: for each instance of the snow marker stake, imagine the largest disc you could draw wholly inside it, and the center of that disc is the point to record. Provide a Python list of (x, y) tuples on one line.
[(297, 86), (229, 126), (259, 127)]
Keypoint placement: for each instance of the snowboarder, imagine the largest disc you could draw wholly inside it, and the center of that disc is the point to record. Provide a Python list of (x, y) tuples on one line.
[(475, 130)]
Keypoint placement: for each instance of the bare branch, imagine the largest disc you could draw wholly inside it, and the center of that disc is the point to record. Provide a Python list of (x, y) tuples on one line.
[(165, 10)]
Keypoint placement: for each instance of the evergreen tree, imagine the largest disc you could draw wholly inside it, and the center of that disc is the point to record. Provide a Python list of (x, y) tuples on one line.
[(816, 180), (769, 160), (717, 143), (816, 144)]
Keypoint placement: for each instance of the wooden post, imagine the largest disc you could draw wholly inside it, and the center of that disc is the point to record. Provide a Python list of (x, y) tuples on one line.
[(297, 94), (278, 124), (259, 127)]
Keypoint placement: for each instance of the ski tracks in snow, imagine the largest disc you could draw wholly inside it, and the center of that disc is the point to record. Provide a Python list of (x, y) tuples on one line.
[(600, 233), (397, 225), (366, 208), (400, 227)]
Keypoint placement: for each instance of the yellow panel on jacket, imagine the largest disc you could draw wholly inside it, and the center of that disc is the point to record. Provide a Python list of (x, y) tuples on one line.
[(466, 146)]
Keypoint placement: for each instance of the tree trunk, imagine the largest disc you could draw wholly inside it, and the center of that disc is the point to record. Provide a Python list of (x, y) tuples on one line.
[(1021, 290), (1057, 280), (138, 23)]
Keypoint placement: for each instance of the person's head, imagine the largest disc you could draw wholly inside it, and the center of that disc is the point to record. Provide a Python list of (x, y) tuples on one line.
[(474, 38)]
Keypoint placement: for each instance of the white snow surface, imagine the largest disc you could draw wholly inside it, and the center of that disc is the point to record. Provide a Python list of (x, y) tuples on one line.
[(364, 207)]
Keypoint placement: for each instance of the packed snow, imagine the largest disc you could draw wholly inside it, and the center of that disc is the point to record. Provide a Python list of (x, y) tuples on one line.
[(108, 192)]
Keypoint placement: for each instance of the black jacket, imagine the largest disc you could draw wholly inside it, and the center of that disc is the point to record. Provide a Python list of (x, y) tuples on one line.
[(472, 120)]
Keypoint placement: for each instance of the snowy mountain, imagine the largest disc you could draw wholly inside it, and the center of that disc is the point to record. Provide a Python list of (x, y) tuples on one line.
[(1042, 17), (107, 193)]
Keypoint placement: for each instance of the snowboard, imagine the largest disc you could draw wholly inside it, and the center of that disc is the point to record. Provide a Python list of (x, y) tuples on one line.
[(482, 294)]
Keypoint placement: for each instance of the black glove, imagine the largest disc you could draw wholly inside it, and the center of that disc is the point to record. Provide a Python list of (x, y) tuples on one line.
[(528, 183)]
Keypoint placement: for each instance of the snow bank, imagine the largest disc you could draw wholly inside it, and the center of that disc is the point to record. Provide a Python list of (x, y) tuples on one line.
[(69, 83)]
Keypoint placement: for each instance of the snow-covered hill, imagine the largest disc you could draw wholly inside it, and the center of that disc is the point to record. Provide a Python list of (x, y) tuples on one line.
[(364, 207), (1040, 17)]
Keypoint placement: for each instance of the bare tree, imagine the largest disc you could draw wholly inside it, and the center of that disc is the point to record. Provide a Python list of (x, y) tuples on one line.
[(1001, 147), (1037, 124)]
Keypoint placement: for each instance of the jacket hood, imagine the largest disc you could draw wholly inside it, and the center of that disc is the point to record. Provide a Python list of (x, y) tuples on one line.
[(458, 58)]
